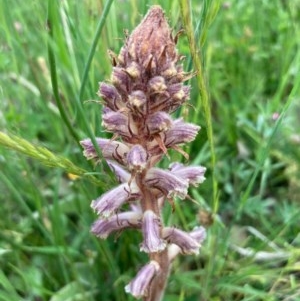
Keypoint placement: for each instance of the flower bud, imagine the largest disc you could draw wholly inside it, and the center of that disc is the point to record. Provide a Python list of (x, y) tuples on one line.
[(137, 102), (179, 93), (111, 97), (133, 70), (170, 71), (119, 78), (157, 85)]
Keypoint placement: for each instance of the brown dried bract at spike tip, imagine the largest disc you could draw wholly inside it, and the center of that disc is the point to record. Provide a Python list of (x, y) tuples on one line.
[(152, 38)]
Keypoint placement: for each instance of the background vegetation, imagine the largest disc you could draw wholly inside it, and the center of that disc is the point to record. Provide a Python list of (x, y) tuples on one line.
[(250, 200)]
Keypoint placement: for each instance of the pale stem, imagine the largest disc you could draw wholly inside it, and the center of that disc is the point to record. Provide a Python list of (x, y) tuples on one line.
[(157, 288)]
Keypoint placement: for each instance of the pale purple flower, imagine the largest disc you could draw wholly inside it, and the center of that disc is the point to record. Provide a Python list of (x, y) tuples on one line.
[(167, 183), (118, 123), (137, 158), (179, 93), (157, 84), (194, 174), (158, 122), (111, 97), (120, 79), (199, 233), (111, 150), (185, 241), (145, 87), (121, 174), (136, 207), (151, 233), (104, 227), (139, 286), (180, 132), (137, 101), (133, 70), (109, 202)]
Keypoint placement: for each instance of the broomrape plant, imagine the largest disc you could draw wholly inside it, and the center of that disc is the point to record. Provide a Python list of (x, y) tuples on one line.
[(146, 86)]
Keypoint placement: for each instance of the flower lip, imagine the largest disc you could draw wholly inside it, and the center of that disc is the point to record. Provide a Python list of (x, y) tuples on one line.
[(199, 233)]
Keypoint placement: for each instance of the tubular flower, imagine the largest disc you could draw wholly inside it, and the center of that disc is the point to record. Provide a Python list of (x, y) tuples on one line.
[(166, 182), (137, 158), (185, 241), (139, 286), (193, 174), (180, 133), (111, 150), (146, 86), (151, 227), (109, 202), (103, 227)]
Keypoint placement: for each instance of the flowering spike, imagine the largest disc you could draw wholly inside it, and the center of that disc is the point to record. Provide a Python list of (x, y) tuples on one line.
[(145, 87)]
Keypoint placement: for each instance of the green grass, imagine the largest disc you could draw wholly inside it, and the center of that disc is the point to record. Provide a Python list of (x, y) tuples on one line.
[(246, 98)]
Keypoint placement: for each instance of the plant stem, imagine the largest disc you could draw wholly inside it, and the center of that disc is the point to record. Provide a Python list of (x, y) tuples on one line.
[(159, 283), (150, 202)]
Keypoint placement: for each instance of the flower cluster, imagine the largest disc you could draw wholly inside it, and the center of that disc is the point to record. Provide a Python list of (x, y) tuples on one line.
[(146, 86)]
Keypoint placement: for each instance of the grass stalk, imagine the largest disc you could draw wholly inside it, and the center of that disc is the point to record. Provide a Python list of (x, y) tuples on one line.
[(198, 61)]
